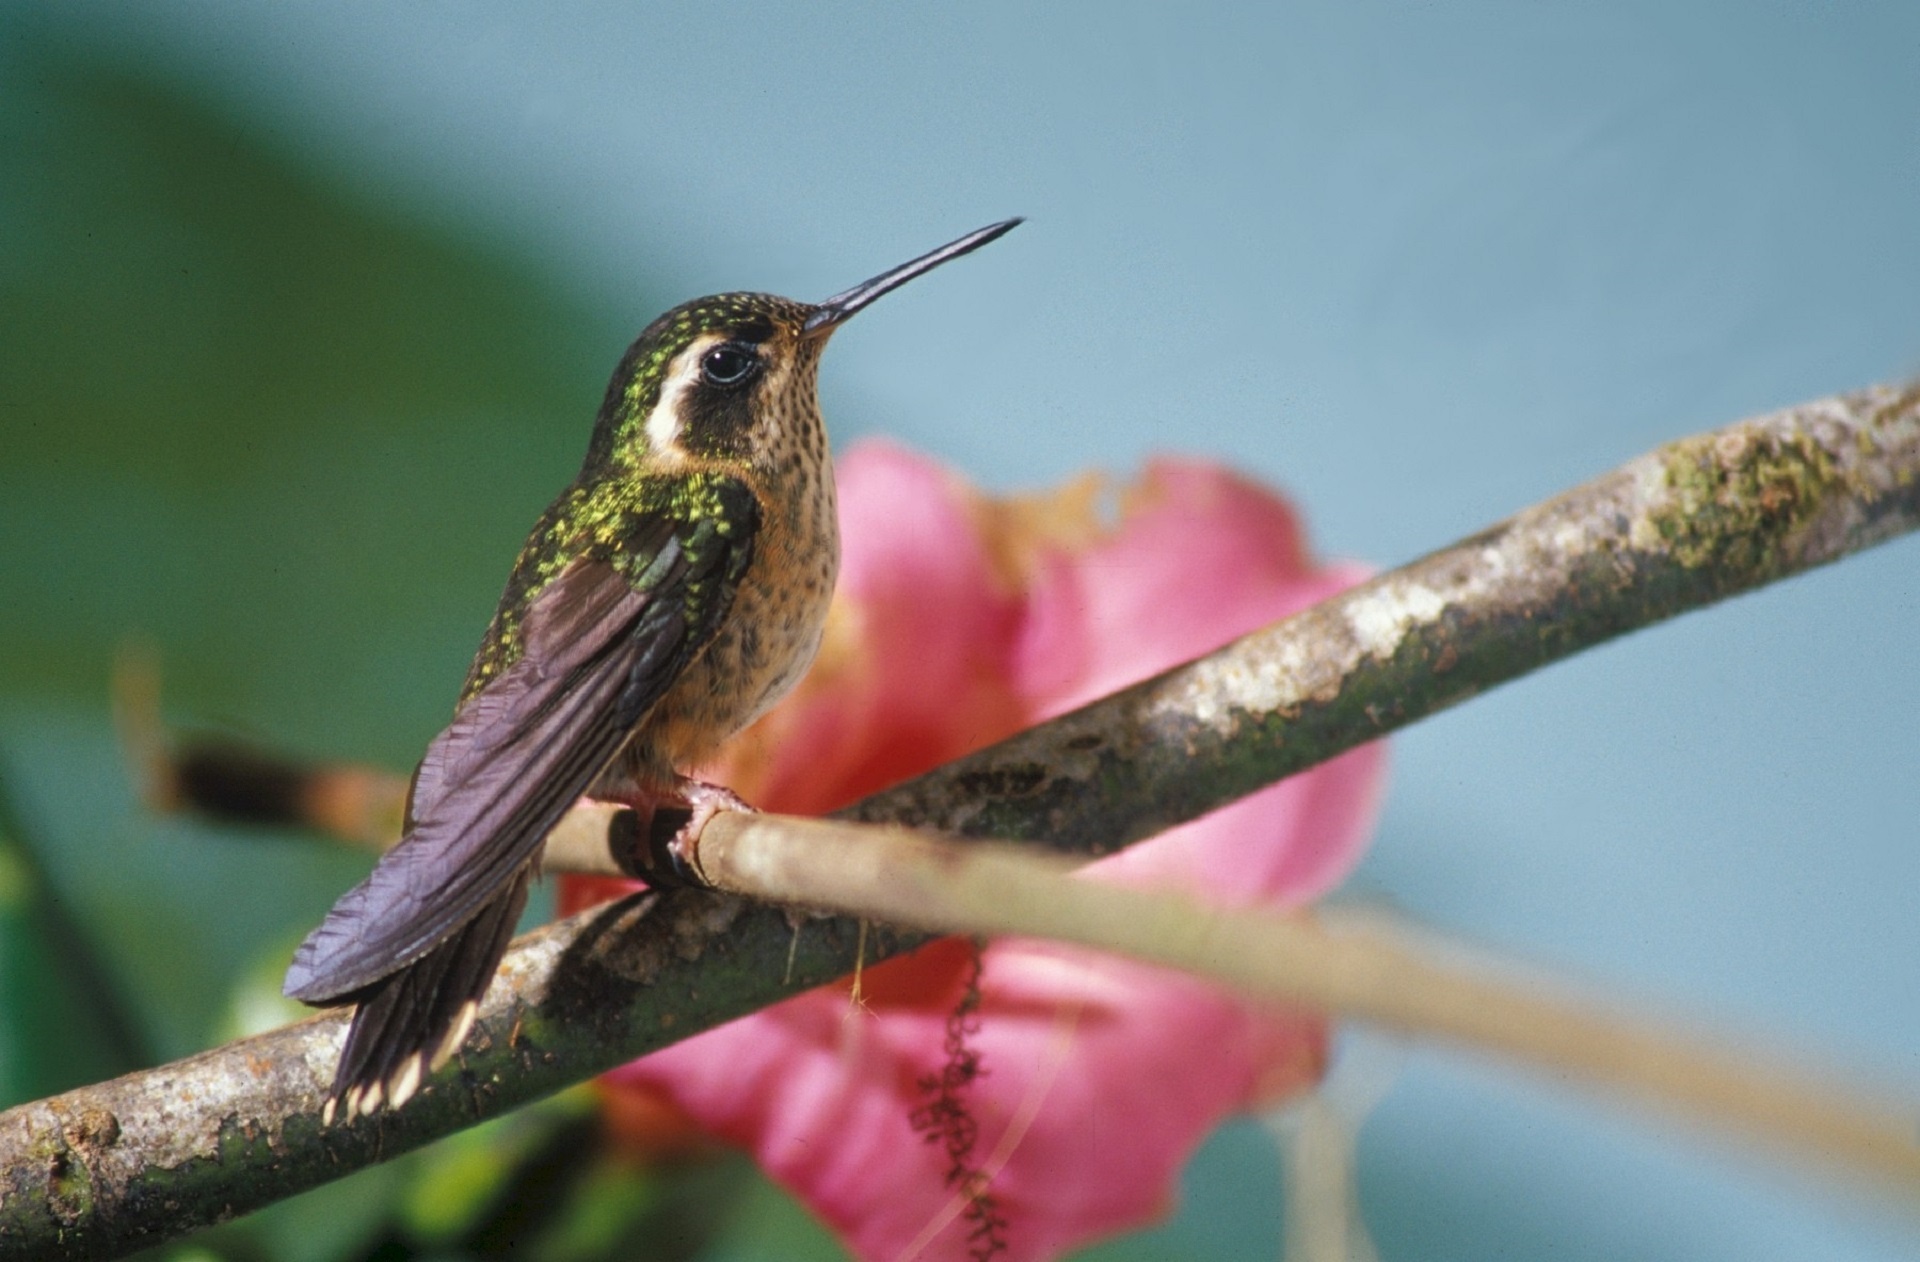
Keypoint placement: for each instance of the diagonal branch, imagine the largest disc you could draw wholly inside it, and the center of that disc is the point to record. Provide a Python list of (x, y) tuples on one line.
[(134, 1161)]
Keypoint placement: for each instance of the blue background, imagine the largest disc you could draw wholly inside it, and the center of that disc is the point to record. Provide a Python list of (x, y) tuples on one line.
[(1421, 266)]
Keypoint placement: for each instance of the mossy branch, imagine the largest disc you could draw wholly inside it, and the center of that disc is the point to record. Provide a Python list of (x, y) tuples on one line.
[(109, 1168)]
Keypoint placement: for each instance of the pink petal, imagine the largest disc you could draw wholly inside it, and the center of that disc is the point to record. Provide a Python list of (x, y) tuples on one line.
[(1102, 1076), (1204, 557), (1109, 1052)]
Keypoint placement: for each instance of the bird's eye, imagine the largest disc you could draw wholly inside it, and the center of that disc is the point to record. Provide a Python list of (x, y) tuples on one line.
[(728, 365)]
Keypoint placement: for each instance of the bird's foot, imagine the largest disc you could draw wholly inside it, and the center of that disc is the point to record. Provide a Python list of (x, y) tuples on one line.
[(665, 849)]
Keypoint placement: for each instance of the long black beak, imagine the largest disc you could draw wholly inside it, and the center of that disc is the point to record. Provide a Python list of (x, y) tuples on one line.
[(837, 308)]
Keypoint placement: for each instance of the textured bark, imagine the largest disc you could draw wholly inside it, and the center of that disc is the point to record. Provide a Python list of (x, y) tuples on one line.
[(109, 1168)]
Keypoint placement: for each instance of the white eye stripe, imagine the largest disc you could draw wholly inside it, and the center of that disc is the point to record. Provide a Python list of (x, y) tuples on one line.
[(664, 422)]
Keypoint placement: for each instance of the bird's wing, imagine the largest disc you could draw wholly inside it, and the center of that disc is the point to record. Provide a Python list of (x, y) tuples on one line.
[(598, 651)]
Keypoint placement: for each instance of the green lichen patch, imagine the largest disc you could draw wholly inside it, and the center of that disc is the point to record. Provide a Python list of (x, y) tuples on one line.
[(69, 1186), (1739, 497)]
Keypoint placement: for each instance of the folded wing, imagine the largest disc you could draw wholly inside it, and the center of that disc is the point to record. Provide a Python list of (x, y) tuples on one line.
[(418, 940)]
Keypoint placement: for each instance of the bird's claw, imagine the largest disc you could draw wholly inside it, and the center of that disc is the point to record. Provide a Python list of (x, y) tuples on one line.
[(668, 853)]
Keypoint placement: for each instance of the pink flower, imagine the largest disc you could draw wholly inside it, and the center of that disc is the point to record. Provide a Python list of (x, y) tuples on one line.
[(959, 620)]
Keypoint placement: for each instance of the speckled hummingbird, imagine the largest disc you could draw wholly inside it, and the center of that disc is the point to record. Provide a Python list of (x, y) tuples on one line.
[(665, 600)]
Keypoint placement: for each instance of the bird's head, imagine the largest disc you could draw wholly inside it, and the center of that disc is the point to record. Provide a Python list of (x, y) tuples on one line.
[(732, 377)]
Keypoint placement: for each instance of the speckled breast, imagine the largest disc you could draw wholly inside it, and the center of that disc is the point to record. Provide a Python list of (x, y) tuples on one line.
[(769, 636)]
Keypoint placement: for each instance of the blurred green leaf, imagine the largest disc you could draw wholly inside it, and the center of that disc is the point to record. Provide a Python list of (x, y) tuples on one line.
[(767, 1225), (255, 1004), (604, 1217), (473, 1172), (62, 1023), (292, 432)]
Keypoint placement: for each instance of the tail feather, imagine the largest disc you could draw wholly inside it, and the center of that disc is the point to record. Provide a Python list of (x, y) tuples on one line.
[(409, 1023)]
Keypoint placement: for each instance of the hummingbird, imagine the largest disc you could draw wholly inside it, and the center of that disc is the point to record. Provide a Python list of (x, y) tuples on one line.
[(673, 592)]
